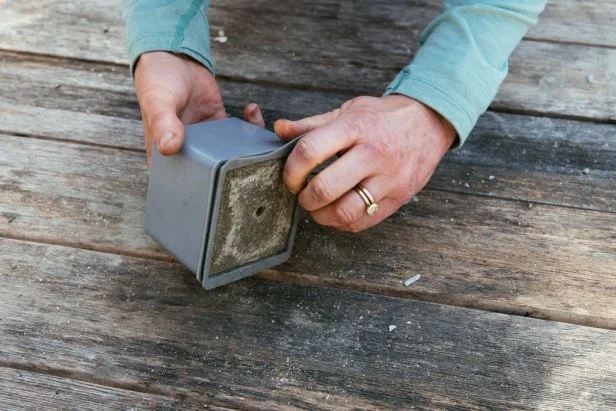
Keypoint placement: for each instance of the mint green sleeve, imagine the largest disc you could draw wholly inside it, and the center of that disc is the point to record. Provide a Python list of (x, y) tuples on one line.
[(463, 58), (178, 26)]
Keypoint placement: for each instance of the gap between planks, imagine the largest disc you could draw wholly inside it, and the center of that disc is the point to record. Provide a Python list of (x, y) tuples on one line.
[(88, 246), (68, 376), (532, 39), (70, 141), (494, 107), (502, 307)]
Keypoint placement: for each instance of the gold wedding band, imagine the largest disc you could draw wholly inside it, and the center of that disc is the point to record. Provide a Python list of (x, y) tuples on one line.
[(371, 206)]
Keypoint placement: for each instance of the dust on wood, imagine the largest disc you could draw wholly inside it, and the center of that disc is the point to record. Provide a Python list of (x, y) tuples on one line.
[(92, 314), (305, 57)]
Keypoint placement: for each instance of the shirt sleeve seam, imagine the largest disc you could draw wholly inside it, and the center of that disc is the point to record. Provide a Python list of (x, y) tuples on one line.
[(452, 97), (158, 35), (183, 24)]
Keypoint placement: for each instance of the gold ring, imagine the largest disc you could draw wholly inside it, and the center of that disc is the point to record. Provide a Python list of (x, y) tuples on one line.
[(371, 206)]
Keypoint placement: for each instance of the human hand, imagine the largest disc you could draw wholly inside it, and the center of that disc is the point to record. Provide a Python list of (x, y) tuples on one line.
[(391, 145), (174, 90)]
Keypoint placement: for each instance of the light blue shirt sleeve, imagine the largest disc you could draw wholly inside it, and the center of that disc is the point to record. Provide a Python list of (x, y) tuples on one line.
[(457, 70), (463, 58), (178, 26)]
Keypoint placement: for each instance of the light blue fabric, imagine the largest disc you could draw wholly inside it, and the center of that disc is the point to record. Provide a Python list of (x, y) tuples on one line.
[(463, 57), (178, 26), (457, 70)]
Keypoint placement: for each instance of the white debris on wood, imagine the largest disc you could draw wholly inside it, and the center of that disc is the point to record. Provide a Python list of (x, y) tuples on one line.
[(491, 178), (467, 185), (392, 327), (590, 78), (411, 280), (586, 170), (221, 38)]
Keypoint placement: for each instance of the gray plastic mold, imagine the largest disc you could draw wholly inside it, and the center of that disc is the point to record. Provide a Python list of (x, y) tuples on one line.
[(219, 205)]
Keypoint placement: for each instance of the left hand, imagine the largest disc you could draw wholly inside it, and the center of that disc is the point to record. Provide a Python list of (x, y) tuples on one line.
[(391, 145)]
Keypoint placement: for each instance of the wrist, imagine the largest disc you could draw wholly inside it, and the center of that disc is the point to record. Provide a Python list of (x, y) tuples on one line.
[(445, 130)]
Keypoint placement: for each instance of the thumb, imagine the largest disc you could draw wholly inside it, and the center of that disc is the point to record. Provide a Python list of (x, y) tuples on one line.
[(288, 130), (252, 114), (165, 127)]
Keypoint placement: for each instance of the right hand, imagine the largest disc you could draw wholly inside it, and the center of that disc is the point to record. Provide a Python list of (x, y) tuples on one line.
[(175, 90)]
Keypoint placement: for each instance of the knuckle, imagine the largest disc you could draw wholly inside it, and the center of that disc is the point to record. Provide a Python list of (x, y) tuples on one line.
[(360, 101), (380, 149), (156, 117), (306, 150), (353, 228), (343, 215), (287, 176), (403, 195), (321, 190), (366, 118)]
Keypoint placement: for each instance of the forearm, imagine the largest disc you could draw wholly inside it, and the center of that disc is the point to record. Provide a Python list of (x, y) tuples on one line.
[(178, 26), (463, 57)]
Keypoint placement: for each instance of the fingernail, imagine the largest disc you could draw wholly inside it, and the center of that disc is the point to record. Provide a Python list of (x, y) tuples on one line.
[(256, 113), (166, 138)]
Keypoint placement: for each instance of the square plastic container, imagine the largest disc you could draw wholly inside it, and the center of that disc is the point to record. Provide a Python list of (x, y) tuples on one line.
[(220, 205)]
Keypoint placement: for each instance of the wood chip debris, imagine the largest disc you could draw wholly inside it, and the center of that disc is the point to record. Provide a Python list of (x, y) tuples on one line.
[(221, 38), (411, 280), (586, 170), (392, 327)]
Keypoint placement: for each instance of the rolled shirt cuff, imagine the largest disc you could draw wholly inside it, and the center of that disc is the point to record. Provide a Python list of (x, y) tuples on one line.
[(438, 99)]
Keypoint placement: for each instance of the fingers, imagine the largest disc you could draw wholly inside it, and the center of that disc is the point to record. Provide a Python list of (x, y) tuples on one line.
[(161, 123), (288, 130), (387, 207), (313, 149), (350, 208), (252, 114), (338, 178)]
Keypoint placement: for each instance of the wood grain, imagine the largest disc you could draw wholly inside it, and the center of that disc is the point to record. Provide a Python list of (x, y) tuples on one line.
[(478, 252), (590, 23), (298, 51), (25, 390), (534, 159), (585, 22), (272, 345)]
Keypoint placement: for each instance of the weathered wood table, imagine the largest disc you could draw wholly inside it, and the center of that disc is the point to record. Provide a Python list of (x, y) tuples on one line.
[(515, 236)]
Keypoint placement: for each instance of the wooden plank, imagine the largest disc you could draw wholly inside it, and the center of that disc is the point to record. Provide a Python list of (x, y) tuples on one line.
[(25, 390), (590, 23), (551, 257), (53, 190), (586, 22), (535, 159), (275, 346), (560, 79), (495, 255), (363, 59), (105, 131)]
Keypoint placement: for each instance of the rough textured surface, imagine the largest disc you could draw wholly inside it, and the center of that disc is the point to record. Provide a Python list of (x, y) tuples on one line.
[(357, 50), (496, 254), (147, 326), (26, 390), (520, 221), (255, 217), (533, 158)]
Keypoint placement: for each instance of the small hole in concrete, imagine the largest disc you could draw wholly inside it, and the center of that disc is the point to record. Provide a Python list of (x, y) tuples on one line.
[(259, 211)]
